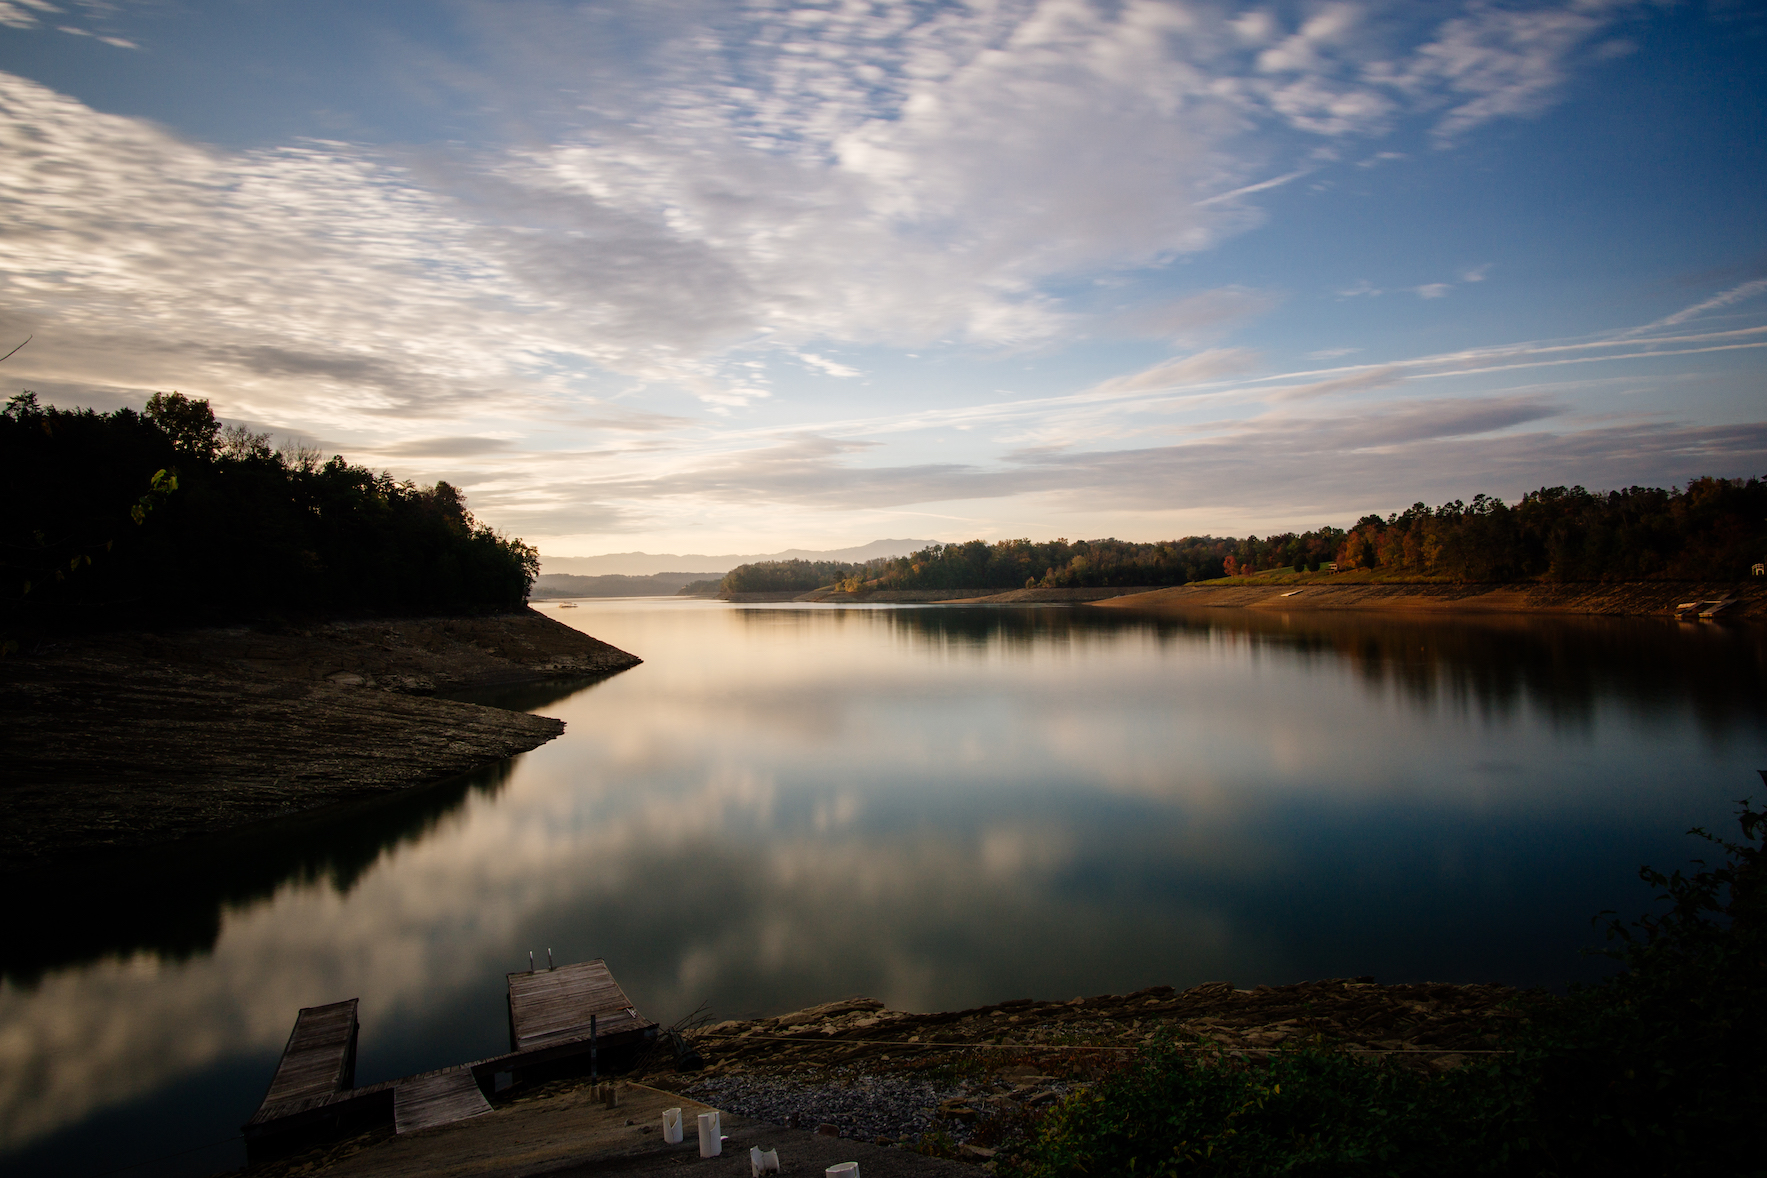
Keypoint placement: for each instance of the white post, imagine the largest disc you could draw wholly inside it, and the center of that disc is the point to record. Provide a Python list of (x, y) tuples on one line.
[(672, 1126), (711, 1141)]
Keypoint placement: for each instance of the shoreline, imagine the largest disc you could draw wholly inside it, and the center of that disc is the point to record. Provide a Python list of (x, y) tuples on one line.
[(1320, 592), (123, 742), (1599, 598), (911, 1093)]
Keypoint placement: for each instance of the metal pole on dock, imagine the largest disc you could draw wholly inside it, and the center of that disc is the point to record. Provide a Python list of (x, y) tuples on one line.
[(549, 966), (593, 1062), (530, 961)]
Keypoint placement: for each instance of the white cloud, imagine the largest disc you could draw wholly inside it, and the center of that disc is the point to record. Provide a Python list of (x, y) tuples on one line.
[(1202, 367), (1735, 294), (14, 16), (1433, 290), (826, 365), (1502, 62)]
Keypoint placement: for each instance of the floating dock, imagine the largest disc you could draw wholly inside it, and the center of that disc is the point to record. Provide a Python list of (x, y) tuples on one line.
[(558, 1017)]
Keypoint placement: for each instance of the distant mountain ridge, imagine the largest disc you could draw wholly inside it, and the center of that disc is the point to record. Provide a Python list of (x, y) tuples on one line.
[(646, 564)]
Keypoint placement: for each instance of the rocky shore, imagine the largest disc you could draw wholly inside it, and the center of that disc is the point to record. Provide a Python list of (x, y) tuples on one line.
[(905, 1093), (126, 740), (959, 1082)]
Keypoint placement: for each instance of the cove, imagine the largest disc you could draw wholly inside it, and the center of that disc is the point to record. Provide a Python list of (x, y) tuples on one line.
[(934, 806)]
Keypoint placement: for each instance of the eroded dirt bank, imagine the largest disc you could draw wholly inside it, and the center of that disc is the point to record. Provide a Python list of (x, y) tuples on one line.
[(1610, 599), (117, 741)]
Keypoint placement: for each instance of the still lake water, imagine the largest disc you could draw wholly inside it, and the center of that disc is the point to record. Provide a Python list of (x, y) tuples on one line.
[(936, 806)]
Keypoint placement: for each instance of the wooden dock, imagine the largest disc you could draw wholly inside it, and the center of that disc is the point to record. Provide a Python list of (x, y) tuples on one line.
[(320, 1058), (437, 1098), (313, 1097), (553, 1006)]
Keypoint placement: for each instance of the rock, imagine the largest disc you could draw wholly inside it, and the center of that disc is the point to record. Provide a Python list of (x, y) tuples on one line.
[(813, 1014), (1211, 991), (827, 1129), (974, 1153), (957, 1109)]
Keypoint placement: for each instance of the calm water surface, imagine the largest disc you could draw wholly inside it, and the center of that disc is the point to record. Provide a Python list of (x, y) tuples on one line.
[(937, 806)]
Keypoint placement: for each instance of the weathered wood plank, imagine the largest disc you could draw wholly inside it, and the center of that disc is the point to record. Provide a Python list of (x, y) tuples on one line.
[(439, 1098), (555, 1004), (320, 1057)]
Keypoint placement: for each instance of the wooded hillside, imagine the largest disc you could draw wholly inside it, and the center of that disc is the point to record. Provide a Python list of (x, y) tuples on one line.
[(1711, 530), (165, 515)]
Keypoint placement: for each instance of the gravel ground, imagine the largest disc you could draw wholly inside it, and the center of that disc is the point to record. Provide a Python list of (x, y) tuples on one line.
[(899, 1108)]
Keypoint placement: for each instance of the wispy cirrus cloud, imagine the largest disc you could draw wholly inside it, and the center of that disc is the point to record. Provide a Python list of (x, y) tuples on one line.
[(1736, 294)]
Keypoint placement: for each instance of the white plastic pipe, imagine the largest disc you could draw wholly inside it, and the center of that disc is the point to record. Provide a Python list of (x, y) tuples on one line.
[(711, 1142), (843, 1170), (763, 1163), (672, 1126)]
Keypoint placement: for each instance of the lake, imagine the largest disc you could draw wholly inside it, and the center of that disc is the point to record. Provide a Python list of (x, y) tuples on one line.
[(938, 806)]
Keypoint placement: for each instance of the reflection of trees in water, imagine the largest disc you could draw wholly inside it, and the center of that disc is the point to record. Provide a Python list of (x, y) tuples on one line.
[(169, 900), (1565, 667)]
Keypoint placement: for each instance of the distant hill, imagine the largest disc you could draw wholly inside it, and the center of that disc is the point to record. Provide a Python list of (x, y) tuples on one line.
[(646, 564), (549, 585)]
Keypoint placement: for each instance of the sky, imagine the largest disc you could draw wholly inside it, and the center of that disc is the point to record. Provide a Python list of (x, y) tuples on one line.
[(676, 276)]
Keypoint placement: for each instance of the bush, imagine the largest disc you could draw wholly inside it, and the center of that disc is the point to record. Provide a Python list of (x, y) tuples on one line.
[(1658, 1071)]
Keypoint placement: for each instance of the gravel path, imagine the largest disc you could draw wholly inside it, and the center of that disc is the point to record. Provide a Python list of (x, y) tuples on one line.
[(899, 1108)]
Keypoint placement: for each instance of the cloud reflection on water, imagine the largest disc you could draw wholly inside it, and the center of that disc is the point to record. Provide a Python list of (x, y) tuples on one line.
[(939, 807)]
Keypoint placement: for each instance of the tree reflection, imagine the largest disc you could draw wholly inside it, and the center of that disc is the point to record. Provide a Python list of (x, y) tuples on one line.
[(170, 900), (1564, 666)]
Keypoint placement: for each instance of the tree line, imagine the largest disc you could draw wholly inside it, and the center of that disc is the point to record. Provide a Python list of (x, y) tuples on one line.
[(166, 514), (1712, 529)]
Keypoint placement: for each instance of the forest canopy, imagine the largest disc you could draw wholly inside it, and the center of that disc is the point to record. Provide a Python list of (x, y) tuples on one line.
[(166, 513), (1713, 529)]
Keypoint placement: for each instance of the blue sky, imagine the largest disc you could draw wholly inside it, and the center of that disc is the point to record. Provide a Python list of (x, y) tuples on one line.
[(724, 277)]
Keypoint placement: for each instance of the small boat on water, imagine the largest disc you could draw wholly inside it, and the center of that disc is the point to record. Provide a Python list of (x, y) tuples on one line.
[(567, 605)]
